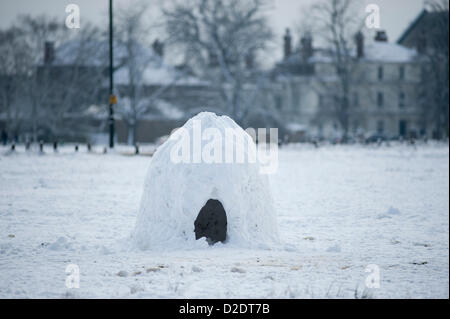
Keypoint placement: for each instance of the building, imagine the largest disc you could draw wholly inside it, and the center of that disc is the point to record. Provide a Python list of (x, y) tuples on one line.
[(382, 97), (165, 95)]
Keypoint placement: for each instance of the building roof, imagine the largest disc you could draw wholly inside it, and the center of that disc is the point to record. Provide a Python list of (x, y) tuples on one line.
[(388, 52), (96, 54), (374, 52), (429, 29), (413, 24), (158, 73)]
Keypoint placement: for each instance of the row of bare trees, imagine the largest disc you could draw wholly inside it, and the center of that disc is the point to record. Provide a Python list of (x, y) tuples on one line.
[(221, 40), (37, 99)]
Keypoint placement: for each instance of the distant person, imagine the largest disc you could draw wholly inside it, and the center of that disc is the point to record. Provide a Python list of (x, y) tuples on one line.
[(4, 137)]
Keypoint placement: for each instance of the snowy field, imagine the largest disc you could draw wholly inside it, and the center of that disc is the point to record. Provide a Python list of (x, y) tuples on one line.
[(339, 208)]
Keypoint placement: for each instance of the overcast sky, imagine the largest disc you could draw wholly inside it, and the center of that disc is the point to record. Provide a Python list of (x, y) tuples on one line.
[(395, 14)]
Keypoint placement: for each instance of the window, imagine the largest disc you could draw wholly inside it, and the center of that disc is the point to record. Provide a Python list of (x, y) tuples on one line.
[(278, 101), (355, 99), (295, 95), (355, 126), (401, 100), (402, 127), (401, 72), (380, 73), (423, 130), (340, 70), (321, 100), (380, 99), (423, 73), (380, 127), (336, 99)]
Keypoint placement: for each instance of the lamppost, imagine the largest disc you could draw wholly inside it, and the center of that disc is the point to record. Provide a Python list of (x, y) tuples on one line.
[(112, 97)]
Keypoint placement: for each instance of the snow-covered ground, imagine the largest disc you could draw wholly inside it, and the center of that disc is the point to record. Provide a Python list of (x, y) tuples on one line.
[(339, 208)]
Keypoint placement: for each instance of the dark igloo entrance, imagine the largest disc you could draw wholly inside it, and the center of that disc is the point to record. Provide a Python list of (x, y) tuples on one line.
[(211, 222)]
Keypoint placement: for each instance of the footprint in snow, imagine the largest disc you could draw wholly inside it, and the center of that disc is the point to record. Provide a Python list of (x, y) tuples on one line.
[(122, 273), (389, 213), (153, 269), (196, 269), (334, 249), (238, 270), (422, 244), (136, 288)]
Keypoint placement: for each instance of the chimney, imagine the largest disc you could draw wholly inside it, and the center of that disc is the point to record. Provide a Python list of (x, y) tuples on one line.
[(306, 46), (49, 52), (359, 39), (158, 47), (381, 36), (287, 44)]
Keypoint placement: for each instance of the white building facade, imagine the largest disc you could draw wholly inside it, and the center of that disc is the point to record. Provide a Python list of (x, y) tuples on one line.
[(384, 94)]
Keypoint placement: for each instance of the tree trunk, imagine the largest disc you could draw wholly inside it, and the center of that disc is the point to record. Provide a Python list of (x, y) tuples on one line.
[(34, 122)]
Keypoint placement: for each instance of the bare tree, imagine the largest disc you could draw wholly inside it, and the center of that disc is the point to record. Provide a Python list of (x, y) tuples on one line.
[(222, 39), (55, 87), (36, 31), (13, 73), (337, 23), (435, 79), (80, 79), (136, 55)]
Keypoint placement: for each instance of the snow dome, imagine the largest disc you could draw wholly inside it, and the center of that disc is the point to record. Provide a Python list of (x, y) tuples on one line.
[(194, 195)]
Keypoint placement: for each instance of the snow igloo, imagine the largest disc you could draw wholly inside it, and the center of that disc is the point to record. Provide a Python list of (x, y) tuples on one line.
[(193, 195)]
